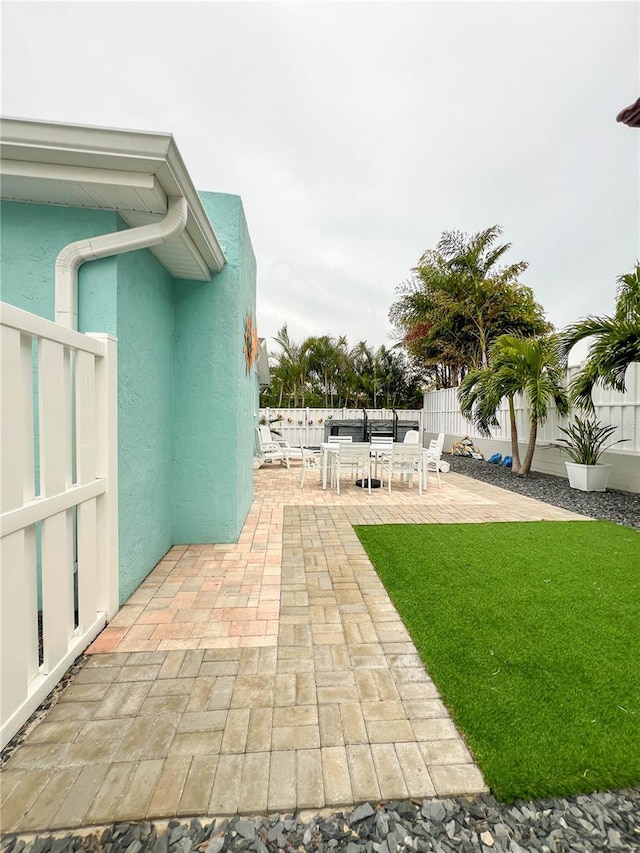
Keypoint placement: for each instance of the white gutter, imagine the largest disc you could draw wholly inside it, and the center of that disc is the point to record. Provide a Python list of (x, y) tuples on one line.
[(75, 254)]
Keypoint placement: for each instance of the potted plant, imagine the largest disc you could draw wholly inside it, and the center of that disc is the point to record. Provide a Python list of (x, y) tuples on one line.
[(585, 443)]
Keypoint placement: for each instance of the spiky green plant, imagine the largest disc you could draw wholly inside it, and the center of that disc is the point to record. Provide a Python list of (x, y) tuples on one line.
[(585, 441)]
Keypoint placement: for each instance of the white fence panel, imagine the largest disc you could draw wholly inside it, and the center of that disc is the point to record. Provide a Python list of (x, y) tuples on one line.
[(72, 421), (442, 414), (307, 426)]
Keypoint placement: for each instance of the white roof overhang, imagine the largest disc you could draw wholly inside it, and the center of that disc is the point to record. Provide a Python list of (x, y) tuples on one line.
[(131, 172), (264, 375)]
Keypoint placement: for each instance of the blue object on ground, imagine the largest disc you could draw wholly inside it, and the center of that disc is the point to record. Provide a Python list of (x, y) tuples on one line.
[(507, 462), (495, 459)]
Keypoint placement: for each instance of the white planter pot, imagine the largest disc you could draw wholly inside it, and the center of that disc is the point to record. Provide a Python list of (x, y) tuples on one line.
[(588, 478)]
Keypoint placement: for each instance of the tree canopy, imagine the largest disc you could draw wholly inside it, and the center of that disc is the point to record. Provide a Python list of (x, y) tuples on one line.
[(530, 366), (614, 343), (324, 371), (458, 301)]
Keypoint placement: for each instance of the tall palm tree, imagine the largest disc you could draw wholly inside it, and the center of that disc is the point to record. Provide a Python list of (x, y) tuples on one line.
[(474, 259), (482, 390), (459, 301), (615, 345), (290, 369), (362, 359), (530, 366), (327, 357)]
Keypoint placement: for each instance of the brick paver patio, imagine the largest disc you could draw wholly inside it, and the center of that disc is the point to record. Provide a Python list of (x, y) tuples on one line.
[(269, 675)]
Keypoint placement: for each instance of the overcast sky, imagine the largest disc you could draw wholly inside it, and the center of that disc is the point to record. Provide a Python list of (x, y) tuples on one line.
[(357, 132)]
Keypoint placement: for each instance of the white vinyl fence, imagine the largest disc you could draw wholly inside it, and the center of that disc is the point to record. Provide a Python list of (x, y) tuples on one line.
[(307, 426), (58, 523), (442, 414)]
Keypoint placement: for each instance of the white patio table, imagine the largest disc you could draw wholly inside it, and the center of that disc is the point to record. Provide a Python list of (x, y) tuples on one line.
[(330, 451)]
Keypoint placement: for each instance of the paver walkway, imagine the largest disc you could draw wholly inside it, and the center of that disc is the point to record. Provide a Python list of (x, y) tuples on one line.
[(268, 675)]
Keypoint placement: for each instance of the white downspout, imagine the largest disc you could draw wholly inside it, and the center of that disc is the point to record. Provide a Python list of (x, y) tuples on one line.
[(75, 254)]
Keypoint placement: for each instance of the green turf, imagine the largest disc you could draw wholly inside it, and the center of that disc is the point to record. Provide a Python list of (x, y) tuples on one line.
[(531, 632)]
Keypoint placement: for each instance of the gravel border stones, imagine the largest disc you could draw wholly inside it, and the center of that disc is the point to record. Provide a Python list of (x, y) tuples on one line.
[(603, 821), (612, 505)]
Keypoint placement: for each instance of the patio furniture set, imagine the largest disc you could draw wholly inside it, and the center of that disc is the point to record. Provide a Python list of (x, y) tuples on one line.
[(368, 464)]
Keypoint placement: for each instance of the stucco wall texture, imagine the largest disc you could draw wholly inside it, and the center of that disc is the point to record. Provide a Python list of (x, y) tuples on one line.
[(214, 394), (185, 401)]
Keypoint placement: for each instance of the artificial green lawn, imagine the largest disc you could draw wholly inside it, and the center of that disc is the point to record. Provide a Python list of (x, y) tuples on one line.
[(531, 632)]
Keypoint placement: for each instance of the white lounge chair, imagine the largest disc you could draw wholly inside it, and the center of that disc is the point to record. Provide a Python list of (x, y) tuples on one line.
[(270, 450)]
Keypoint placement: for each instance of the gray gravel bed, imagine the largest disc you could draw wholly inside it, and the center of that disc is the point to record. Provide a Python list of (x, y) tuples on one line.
[(612, 505), (604, 821)]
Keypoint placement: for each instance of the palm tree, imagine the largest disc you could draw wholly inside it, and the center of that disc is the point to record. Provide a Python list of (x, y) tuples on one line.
[(290, 370), (530, 366), (327, 360), (482, 390), (615, 345), (459, 301), (474, 259), (323, 370)]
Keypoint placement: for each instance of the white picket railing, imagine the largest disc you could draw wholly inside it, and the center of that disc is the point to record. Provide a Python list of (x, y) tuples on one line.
[(442, 414), (59, 503), (307, 426)]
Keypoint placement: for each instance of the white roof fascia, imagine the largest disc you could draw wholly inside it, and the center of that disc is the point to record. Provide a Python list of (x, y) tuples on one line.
[(51, 150), (264, 374)]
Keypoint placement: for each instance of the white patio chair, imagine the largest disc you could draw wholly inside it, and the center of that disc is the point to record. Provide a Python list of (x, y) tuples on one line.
[(311, 461), (338, 439), (381, 448), (412, 436), (271, 451), (432, 456), (357, 459), (408, 460)]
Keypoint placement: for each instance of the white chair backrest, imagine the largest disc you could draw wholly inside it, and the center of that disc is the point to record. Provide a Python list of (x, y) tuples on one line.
[(406, 451), (265, 435), (382, 441), (349, 451), (412, 436), (310, 458), (340, 439)]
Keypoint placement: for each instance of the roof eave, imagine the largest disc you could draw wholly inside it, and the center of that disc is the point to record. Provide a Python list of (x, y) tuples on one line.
[(630, 115), (123, 150)]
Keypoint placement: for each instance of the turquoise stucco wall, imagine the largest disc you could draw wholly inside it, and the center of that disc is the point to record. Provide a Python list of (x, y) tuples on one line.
[(130, 296), (31, 236), (145, 409), (185, 402), (214, 395)]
